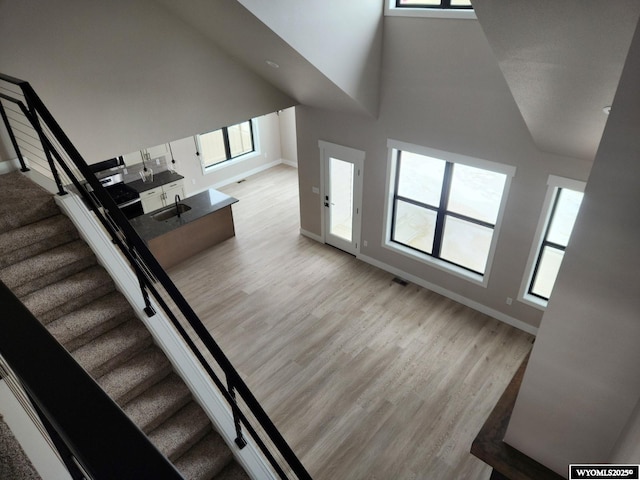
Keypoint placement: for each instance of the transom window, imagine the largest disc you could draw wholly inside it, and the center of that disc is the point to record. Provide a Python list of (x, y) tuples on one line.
[(562, 213), (444, 4), (226, 144), (445, 210)]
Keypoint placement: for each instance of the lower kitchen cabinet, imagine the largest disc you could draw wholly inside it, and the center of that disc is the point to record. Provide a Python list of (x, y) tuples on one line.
[(162, 196)]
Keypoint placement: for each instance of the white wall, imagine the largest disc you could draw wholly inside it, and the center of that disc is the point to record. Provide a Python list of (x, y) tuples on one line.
[(441, 88), (341, 39), (582, 384), (125, 74)]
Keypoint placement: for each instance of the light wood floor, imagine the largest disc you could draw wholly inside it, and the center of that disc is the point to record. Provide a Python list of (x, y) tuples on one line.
[(365, 378)]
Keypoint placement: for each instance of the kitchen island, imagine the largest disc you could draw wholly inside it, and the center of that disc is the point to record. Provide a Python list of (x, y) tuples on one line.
[(205, 220)]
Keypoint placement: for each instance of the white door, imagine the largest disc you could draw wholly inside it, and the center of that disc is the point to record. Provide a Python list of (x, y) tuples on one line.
[(342, 196)]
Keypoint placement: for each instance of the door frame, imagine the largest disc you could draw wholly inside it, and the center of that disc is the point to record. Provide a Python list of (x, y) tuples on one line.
[(351, 155)]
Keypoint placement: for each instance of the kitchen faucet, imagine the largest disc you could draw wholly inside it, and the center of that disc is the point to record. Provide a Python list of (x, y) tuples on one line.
[(177, 201)]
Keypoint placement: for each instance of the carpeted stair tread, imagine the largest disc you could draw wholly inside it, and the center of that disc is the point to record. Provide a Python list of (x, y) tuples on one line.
[(90, 321), (30, 240), (180, 432), (113, 347), (158, 403), (133, 377), (14, 211), (233, 471), (60, 298), (205, 459), (47, 267)]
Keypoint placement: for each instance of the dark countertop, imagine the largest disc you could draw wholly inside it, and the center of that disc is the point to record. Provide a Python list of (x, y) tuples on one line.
[(201, 204), (159, 179)]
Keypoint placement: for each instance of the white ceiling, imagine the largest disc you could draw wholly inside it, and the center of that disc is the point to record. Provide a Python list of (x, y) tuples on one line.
[(244, 37), (562, 61)]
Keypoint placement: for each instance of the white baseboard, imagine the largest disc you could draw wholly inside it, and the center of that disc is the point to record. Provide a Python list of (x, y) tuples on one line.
[(9, 166), (246, 174), (311, 235), (514, 322), (291, 163)]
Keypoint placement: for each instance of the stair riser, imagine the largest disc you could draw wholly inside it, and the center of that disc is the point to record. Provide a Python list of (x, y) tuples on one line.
[(84, 337), (15, 256), (100, 357), (53, 277)]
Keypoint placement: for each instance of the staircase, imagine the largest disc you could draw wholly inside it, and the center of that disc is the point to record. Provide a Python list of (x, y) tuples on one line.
[(55, 274)]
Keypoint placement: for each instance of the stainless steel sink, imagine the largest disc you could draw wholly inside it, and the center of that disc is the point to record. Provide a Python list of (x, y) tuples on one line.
[(170, 212)]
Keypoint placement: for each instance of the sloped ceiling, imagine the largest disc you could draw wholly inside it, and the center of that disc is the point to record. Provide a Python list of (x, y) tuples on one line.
[(562, 61), (250, 41)]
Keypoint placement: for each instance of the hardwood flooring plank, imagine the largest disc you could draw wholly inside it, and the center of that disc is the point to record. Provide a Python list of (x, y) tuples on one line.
[(365, 378)]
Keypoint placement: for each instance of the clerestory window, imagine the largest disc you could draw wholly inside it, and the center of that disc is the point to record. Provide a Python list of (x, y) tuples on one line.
[(443, 4)]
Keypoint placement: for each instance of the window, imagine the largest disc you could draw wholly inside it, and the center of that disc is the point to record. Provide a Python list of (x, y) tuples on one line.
[(445, 208), (226, 144), (445, 4), (461, 9), (562, 204)]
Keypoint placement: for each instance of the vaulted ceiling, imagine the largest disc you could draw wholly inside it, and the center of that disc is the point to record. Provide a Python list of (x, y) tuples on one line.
[(561, 60)]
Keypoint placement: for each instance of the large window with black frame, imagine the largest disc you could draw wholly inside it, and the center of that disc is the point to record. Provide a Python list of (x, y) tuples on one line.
[(226, 144), (444, 209), (443, 4), (562, 217)]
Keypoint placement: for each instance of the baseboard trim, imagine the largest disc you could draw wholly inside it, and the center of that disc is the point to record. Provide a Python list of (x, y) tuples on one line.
[(514, 322), (9, 166), (246, 174), (291, 163), (311, 235)]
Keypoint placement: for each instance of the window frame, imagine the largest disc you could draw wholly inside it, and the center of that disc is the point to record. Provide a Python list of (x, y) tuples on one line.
[(430, 11), (451, 159), (444, 5), (230, 160), (554, 185)]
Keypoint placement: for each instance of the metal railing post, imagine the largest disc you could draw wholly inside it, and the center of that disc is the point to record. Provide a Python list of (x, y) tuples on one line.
[(240, 440)]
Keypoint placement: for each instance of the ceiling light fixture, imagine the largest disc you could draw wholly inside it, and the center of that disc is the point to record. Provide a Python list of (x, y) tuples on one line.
[(272, 64), (607, 110)]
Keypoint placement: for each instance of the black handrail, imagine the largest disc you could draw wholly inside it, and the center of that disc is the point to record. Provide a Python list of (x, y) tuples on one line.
[(85, 424), (150, 274)]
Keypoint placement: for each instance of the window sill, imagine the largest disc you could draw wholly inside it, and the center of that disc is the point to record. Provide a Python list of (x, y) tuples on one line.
[(481, 280), (230, 163), (533, 301)]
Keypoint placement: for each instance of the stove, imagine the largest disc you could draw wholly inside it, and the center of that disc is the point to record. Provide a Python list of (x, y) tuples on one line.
[(127, 198)]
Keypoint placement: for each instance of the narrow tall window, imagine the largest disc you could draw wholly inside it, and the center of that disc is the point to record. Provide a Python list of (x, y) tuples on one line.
[(559, 213), (445, 209), (564, 212), (226, 144)]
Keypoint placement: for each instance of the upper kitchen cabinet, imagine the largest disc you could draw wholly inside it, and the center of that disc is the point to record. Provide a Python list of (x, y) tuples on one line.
[(149, 154)]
